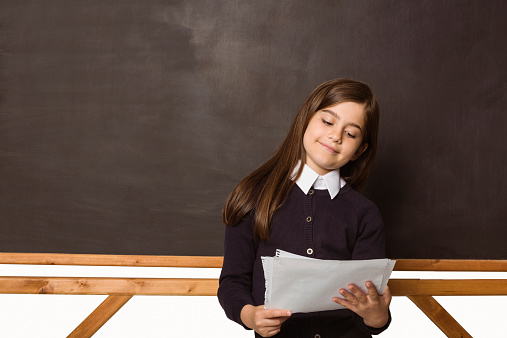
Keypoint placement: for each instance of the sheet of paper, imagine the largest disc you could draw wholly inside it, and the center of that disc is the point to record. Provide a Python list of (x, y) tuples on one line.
[(303, 284)]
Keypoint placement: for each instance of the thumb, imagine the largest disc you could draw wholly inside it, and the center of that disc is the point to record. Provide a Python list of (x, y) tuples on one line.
[(387, 296), (274, 313)]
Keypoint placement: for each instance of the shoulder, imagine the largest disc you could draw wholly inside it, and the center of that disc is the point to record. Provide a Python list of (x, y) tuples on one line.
[(357, 201)]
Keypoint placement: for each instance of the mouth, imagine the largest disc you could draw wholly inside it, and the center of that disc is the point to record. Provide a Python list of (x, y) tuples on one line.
[(328, 148)]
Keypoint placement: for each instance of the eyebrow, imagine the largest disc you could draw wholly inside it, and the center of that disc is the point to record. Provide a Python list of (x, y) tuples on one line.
[(339, 118)]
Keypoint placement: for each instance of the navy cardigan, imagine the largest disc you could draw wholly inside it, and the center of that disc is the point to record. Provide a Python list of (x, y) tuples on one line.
[(313, 225)]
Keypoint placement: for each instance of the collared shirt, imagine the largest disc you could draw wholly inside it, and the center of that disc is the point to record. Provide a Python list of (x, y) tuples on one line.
[(332, 181)]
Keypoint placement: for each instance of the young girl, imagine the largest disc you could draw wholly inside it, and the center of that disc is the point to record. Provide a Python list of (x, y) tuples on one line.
[(304, 200)]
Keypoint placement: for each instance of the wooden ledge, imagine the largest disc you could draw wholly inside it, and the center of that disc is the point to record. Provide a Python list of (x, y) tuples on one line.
[(208, 287), (109, 286), (451, 265), (111, 260), (216, 262), (448, 287)]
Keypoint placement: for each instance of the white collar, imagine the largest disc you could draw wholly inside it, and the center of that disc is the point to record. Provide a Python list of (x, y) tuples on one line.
[(332, 180)]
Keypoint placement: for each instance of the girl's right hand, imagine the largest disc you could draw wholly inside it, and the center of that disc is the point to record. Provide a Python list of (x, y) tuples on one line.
[(267, 323)]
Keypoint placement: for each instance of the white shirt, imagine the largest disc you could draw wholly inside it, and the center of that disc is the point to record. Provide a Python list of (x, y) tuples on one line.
[(332, 181)]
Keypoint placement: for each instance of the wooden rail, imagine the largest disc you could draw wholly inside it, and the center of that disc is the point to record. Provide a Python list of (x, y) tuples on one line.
[(121, 290)]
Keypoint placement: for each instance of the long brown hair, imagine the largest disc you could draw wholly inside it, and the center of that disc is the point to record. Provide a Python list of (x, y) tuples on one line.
[(266, 188)]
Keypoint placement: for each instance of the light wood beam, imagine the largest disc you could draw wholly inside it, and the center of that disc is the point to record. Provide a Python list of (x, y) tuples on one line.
[(451, 265), (99, 316), (439, 316), (208, 287), (109, 286), (216, 262), (111, 260), (448, 287)]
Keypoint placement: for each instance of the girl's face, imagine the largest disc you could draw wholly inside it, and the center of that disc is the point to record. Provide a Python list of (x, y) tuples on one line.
[(334, 137)]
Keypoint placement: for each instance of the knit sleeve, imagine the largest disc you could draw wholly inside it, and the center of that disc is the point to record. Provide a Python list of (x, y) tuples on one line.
[(370, 244), (235, 283), (372, 330), (370, 241)]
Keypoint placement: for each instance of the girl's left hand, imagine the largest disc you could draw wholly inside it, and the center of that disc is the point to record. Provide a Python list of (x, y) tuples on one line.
[(372, 307)]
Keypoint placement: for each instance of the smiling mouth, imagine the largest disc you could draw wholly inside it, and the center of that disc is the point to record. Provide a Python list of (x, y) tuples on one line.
[(328, 148)]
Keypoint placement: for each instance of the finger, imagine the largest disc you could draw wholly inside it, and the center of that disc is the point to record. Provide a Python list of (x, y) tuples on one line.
[(271, 325), (269, 318), (275, 318), (345, 303), (372, 292), (272, 332), (387, 296), (275, 321), (342, 302), (349, 297), (268, 331), (275, 313), (360, 296)]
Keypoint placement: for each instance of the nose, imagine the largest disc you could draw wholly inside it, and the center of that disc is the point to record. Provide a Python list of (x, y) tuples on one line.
[(335, 137)]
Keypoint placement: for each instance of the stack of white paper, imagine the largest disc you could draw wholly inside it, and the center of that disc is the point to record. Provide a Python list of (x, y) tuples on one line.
[(303, 284)]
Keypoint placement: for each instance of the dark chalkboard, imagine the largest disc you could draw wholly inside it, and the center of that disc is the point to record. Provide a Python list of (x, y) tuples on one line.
[(124, 125)]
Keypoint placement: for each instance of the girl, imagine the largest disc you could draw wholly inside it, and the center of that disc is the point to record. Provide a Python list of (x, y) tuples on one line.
[(304, 200)]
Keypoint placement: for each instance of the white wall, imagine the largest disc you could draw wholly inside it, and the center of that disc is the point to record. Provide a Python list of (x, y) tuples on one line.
[(174, 316)]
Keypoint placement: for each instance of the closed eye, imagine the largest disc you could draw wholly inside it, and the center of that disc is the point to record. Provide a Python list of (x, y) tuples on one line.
[(327, 123), (350, 135)]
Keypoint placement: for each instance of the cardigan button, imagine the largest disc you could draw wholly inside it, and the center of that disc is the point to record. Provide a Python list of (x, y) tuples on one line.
[(309, 251), (317, 336), (309, 219)]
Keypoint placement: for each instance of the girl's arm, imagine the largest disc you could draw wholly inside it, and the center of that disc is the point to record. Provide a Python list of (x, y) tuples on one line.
[(370, 244), (235, 283)]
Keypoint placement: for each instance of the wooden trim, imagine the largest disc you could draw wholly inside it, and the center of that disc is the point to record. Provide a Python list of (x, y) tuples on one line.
[(216, 262), (208, 287), (448, 287), (111, 260), (99, 316), (451, 265), (109, 286), (439, 316)]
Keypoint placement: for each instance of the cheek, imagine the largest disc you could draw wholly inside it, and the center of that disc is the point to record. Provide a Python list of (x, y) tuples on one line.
[(306, 140), (312, 131), (305, 146)]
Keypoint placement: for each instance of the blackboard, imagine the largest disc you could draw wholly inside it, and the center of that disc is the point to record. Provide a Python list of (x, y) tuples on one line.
[(124, 125)]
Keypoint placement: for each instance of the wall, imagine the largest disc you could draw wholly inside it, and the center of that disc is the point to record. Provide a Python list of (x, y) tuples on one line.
[(125, 124)]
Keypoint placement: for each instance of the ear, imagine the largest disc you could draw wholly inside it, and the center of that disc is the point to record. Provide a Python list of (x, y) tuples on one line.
[(359, 151)]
